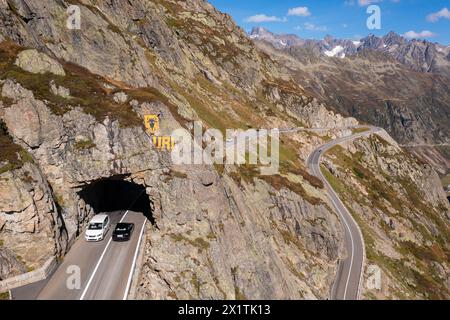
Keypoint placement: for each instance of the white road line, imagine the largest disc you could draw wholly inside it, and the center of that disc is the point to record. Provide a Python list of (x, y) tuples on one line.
[(353, 247), (98, 263), (345, 222), (130, 277), (325, 148)]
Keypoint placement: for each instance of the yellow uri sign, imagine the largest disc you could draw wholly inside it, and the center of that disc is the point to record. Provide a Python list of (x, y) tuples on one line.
[(152, 125), (166, 143)]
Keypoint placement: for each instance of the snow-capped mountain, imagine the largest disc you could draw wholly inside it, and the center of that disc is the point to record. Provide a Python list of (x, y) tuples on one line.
[(279, 41), (419, 55)]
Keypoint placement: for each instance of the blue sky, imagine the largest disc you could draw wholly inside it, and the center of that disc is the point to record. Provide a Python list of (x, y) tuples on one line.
[(428, 19)]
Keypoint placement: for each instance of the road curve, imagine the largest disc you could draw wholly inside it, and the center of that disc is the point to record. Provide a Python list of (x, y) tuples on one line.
[(348, 278)]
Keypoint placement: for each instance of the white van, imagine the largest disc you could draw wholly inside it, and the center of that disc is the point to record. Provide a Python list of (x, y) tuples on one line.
[(97, 228)]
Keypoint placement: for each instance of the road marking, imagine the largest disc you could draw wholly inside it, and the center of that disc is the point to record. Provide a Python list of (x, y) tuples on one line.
[(353, 245), (130, 277), (343, 218), (318, 172), (99, 262)]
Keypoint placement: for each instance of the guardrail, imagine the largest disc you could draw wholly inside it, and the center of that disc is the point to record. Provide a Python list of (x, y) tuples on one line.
[(29, 277)]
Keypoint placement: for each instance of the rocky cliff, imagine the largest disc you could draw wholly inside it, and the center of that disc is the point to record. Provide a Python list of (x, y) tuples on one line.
[(403, 213), (72, 106), (374, 87)]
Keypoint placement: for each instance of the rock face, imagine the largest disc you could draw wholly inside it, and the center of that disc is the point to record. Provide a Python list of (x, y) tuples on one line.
[(36, 62), (406, 237), (210, 221), (202, 221), (9, 265), (215, 231), (418, 55), (375, 88), (230, 243), (29, 222)]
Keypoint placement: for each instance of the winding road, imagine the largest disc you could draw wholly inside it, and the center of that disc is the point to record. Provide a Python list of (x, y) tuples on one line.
[(349, 274)]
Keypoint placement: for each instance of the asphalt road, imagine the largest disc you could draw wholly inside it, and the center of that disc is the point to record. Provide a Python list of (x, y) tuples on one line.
[(348, 277), (106, 267)]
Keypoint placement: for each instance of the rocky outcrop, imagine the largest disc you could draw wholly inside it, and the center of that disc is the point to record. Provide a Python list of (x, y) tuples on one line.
[(404, 216), (232, 243), (36, 62), (9, 265), (375, 88), (30, 225)]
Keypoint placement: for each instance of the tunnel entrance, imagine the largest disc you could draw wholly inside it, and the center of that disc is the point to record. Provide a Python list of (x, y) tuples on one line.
[(116, 194)]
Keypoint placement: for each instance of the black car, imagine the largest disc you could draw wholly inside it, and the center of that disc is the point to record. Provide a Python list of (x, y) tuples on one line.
[(123, 232)]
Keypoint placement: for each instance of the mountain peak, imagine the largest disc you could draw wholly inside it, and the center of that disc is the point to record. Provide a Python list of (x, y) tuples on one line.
[(260, 31), (393, 38), (328, 38)]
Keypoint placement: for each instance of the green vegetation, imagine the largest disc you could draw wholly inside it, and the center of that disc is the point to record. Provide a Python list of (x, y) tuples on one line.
[(12, 155), (59, 200), (406, 199), (200, 243), (178, 174), (196, 283), (379, 191), (290, 238), (84, 144), (359, 130), (238, 295), (445, 180), (86, 89), (4, 295), (22, 260)]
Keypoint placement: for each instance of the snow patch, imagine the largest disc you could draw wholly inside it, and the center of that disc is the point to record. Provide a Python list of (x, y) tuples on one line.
[(335, 52)]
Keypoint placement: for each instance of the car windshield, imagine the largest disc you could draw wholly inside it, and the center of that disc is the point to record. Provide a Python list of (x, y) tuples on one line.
[(121, 227), (95, 226)]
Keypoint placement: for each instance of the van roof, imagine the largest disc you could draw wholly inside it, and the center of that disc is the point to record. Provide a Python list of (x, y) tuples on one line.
[(98, 218)]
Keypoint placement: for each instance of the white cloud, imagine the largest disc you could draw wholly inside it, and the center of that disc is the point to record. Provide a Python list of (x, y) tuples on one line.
[(364, 3), (312, 27), (423, 34), (444, 13), (257, 18), (299, 12)]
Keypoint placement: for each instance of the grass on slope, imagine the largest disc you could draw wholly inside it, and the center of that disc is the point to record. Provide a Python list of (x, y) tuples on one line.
[(380, 196), (86, 89), (4, 295), (12, 156)]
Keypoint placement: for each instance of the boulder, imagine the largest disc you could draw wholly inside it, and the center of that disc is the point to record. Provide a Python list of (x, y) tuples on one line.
[(37, 62), (59, 90), (120, 97)]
